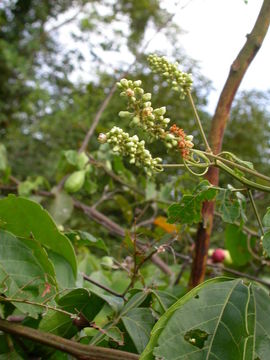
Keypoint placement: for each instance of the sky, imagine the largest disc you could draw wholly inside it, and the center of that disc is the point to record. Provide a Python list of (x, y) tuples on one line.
[(215, 32)]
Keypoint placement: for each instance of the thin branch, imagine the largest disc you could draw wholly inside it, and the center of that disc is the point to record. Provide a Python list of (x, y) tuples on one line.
[(181, 272), (114, 176), (97, 118), (238, 273), (110, 291), (43, 305), (80, 351)]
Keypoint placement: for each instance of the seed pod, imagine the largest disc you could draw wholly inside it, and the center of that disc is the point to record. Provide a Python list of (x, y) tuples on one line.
[(82, 160), (75, 181)]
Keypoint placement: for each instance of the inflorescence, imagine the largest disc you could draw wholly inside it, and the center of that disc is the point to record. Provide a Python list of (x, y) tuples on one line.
[(130, 146), (178, 80), (141, 113)]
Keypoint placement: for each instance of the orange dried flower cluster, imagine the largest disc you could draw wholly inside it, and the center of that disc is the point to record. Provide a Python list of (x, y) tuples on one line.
[(184, 141)]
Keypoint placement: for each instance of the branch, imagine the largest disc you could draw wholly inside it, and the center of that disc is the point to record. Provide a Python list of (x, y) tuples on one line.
[(237, 72), (114, 228), (96, 119), (238, 273), (110, 291), (73, 348)]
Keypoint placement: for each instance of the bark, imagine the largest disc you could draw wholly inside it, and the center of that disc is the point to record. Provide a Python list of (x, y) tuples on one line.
[(236, 74)]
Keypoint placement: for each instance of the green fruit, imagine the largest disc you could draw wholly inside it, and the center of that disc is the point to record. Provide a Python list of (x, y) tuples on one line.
[(228, 258), (107, 262), (82, 160), (75, 181)]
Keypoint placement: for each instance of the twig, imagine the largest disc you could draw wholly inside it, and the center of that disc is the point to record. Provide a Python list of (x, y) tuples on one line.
[(114, 176), (137, 268), (96, 119), (45, 306), (238, 273), (80, 351), (181, 272), (87, 278)]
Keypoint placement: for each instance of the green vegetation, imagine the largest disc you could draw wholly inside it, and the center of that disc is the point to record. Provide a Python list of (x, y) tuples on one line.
[(118, 238)]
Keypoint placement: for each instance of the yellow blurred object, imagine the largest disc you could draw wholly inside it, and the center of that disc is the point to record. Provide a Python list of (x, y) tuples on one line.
[(161, 222)]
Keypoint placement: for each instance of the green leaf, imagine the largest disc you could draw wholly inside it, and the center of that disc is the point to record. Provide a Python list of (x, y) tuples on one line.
[(150, 191), (64, 274), (74, 301), (25, 218), (231, 205), (71, 157), (136, 300), (266, 218), (228, 206), (26, 187), (164, 299), (61, 208), (90, 240), (138, 323), (162, 322), (188, 210), (213, 321), (261, 301), (237, 243), (24, 272), (78, 160), (42, 256), (266, 242)]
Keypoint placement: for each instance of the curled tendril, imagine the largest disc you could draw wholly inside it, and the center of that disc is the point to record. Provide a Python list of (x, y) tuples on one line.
[(195, 161)]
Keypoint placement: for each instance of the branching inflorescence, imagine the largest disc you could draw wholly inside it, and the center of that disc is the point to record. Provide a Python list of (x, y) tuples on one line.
[(140, 113)]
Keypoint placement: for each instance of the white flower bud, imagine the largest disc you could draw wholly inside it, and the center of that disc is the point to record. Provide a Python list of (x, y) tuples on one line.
[(125, 114), (147, 97), (137, 83), (160, 111), (102, 138), (124, 82)]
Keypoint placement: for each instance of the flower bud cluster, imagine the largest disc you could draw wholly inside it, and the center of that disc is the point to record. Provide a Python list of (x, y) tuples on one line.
[(178, 80), (141, 112), (183, 141), (127, 145)]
